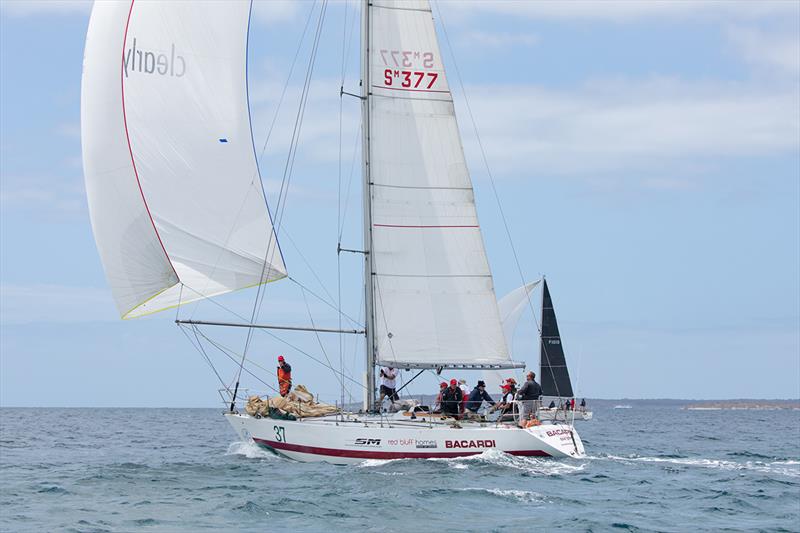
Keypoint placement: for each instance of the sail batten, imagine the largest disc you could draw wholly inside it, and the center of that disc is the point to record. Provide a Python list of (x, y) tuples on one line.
[(434, 297), (175, 197)]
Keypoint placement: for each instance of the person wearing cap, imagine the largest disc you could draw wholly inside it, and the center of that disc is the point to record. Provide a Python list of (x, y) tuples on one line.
[(437, 407), (506, 404), (388, 384), (451, 400), (477, 397), (528, 394), (284, 376)]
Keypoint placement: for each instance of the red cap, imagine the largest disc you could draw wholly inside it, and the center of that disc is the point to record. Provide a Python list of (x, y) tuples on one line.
[(505, 386), (280, 358), (442, 385), (453, 382)]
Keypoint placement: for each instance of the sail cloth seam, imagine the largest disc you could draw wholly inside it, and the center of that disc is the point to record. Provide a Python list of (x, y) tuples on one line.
[(413, 98), (419, 226), (130, 147), (434, 275), (395, 8), (421, 188), (408, 90)]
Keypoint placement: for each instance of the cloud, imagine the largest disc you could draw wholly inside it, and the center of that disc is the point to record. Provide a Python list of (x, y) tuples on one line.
[(54, 195), (21, 304), (25, 8), (778, 51), (629, 125), (499, 39), (620, 10)]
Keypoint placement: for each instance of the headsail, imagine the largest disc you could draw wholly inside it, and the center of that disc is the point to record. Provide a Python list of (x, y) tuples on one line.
[(176, 202), (434, 298), (553, 364)]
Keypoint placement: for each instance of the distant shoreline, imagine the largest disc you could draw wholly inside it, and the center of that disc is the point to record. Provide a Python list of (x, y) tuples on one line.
[(742, 405)]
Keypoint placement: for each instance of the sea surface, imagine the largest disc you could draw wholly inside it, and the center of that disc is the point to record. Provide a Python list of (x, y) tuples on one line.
[(652, 467)]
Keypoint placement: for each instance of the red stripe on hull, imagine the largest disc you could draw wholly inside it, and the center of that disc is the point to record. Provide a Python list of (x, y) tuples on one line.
[(370, 454)]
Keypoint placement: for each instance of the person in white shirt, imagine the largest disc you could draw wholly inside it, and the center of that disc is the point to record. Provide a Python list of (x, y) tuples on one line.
[(388, 384)]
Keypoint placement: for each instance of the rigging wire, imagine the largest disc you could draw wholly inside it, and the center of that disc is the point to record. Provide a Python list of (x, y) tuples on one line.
[(199, 348), (231, 354), (326, 302), (286, 180), (319, 340), (273, 335), (494, 187), (300, 115), (257, 173)]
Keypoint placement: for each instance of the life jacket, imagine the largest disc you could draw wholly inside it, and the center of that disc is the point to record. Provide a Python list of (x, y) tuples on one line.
[(284, 379)]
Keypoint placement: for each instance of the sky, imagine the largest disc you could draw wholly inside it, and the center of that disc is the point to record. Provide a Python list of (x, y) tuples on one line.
[(646, 156)]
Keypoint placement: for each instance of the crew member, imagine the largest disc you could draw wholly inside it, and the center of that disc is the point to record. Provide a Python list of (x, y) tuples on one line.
[(451, 400), (583, 405), (388, 384), (506, 404), (437, 408), (284, 376), (528, 394), (477, 397)]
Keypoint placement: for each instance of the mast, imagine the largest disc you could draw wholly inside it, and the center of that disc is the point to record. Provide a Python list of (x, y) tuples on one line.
[(369, 325)]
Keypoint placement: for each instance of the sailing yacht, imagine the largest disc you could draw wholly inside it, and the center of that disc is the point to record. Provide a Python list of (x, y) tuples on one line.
[(179, 213)]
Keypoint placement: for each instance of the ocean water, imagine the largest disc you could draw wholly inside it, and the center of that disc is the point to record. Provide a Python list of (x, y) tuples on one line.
[(653, 467)]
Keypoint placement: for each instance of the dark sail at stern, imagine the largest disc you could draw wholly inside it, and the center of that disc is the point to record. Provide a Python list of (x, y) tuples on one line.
[(553, 365)]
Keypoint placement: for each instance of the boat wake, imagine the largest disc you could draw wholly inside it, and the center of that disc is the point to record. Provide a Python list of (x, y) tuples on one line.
[(531, 465), (787, 468), (250, 450)]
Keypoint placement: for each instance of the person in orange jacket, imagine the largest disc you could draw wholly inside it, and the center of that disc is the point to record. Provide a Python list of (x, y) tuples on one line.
[(284, 376)]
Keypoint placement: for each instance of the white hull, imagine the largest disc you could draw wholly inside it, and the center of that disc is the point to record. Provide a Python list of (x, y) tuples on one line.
[(359, 438)]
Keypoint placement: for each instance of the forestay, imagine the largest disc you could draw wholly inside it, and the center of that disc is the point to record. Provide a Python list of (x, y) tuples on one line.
[(433, 292), (175, 197)]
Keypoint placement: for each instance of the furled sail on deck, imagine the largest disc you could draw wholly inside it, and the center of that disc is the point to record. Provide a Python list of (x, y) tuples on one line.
[(434, 298), (553, 364), (176, 202)]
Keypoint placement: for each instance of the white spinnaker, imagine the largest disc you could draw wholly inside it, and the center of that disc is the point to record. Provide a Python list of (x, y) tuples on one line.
[(511, 307), (175, 198), (434, 296)]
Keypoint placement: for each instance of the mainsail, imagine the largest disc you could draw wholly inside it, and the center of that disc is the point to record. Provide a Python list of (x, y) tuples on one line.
[(175, 197), (553, 364), (433, 296)]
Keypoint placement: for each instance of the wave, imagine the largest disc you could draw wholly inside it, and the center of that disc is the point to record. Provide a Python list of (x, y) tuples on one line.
[(524, 496), (372, 463), (249, 449)]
